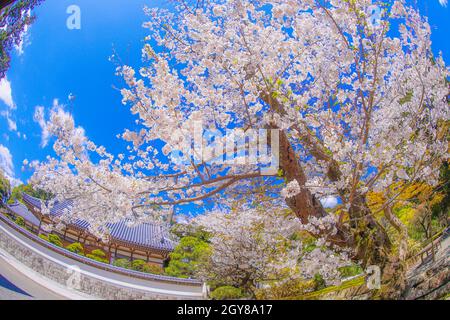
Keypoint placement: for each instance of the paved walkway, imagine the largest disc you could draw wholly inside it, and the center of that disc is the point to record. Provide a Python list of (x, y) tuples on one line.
[(6, 294), (26, 284), (6, 284), (40, 287)]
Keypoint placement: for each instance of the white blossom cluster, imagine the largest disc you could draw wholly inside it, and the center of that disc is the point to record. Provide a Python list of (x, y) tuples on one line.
[(260, 243), (368, 99), (291, 189)]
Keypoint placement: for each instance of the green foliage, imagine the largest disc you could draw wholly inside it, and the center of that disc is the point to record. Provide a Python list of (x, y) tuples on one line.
[(188, 230), (142, 266), (54, 239), (356, 282), (350, 271), (43, 237), (442, 209), (227, 293), (98, 255), (138, 265), (407, 98), (309, 245), (285, 289), (5, 188), (20, 221), (153, 269), (122, 263), (76, 247), (187, 256), (16, 194), (319, 282)]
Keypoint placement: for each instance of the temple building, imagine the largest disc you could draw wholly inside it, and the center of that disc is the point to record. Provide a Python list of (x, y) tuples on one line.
[(146, 241)]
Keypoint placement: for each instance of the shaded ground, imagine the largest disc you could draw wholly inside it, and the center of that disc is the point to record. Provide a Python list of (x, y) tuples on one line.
[(6, 294), (6, 284)]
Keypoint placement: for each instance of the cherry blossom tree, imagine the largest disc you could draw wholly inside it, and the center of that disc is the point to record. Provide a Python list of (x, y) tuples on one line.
[(358, 99), (253, 247)]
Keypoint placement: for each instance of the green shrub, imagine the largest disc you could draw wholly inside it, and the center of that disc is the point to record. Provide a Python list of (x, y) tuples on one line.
[(54, 239), (76, 247), (284, 289), (43, 237), (98, 255), (96, 258), (122, 263), (138, 265), (153, 268), (319, 282), (188, 255), (350, 271), (226, 293), (20, 221)]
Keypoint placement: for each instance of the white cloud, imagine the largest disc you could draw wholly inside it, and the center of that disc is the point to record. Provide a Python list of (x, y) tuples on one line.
[(6, 163), (12, 125), (443, 3), (24, 37), (7, 166), (39, 118), (329, 202), (6, 93), (6, 97)]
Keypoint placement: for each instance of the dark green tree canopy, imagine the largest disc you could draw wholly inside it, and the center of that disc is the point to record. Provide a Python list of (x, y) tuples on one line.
[(5, 188), (16, 194), (185, 259)]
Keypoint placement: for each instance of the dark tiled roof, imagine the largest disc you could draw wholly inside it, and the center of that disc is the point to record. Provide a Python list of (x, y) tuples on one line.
[(145, 234), (21, 210), (32, 200)]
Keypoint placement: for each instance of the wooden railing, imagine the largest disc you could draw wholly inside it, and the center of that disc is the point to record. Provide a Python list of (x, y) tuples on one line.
[(429, 248)]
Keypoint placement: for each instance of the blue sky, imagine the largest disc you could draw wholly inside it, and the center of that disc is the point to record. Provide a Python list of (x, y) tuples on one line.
[(57, 61)]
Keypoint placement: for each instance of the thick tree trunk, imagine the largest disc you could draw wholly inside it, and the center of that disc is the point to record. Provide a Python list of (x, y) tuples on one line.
[(365, 235), (372, 242), (394, 272), (304, 204)]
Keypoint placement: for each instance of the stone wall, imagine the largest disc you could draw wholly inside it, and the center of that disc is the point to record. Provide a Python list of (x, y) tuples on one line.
[(84, 281)]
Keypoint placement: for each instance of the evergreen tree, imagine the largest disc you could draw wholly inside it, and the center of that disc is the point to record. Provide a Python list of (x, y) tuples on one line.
[(5, 188)]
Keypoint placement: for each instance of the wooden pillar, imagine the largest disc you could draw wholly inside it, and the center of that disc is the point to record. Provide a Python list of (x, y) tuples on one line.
[(83, 238), (432, 250), (40, 224), (132, 253), (78, 236), (109, 252), (148, 256)]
